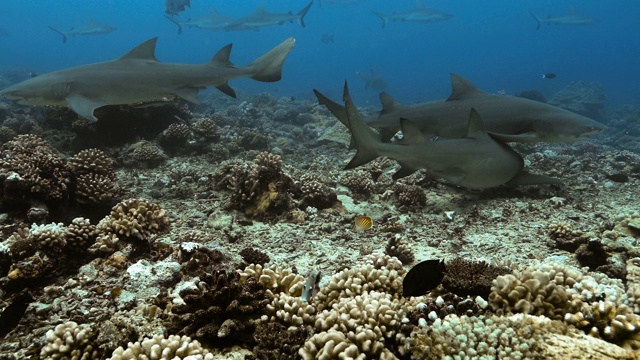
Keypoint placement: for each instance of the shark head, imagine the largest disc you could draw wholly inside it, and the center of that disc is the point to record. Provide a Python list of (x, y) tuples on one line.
[(31, 92), (567, 127)]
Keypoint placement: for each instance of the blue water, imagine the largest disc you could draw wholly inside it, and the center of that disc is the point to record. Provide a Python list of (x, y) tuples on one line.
[(493, 43)]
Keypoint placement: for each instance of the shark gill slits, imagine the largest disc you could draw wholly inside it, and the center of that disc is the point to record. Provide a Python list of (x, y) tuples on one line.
[(362, 223)]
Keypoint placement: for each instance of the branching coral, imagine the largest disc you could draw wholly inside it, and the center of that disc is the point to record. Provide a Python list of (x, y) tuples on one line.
[(70, 341), (135, 218), (158, 347)]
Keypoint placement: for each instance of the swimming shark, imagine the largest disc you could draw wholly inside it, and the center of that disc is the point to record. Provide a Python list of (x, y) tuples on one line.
[(138, 76), (174, 7), (508, 118), (214, 21), (373, 81), (570, 19), (261, 18), (474, 161), (90, 28), (419, 14)]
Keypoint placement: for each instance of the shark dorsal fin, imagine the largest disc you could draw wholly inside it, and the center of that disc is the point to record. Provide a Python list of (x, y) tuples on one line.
[(144, 51), (411, 134), (261, 9), (475, 128), (462, 88), (389, 104), (222, 56)]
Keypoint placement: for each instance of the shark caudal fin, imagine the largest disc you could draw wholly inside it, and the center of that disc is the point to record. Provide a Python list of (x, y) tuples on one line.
[(537, 20), (175, 22), (366, 140), (383, 17), (64, 36), (268, 67), (301, 14)]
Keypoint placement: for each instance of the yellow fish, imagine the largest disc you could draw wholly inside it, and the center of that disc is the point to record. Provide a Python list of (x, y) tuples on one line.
[(362, 223)]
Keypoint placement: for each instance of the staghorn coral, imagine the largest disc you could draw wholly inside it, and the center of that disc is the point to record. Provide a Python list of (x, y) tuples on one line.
[(397, 247), (471, 278), (32, 170), (158, 347), (221, 309), (615, 323), (70, 341), (359, 182), (483, 337), (375, 272), (135, 218)]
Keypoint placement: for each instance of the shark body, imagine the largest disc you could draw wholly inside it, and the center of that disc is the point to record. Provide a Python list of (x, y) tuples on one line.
[(174, 7), (214, 22), (262, 18), (508, 118), (373, 80), (570, 19), (419, 14), (138, 76), (475, 160), (90, 28)]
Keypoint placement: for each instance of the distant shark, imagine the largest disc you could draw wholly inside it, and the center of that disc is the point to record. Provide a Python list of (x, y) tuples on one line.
[(261, 18), (508, 118), (138, 76), (373, 81), (419, 14), (570, 19), (90, 28), (475, 161), (174, 7), (214, 21)]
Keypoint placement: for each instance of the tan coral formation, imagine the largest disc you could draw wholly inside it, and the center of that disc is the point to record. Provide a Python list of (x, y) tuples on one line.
[(137, 218), (69, 341), (158, 347)]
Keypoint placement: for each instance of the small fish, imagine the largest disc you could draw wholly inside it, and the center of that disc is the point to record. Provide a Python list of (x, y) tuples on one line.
[(311, 286), (362, 223), (549, 76), (423, 277)]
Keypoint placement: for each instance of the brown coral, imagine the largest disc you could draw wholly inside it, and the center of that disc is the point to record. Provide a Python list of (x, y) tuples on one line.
[(136, 218)]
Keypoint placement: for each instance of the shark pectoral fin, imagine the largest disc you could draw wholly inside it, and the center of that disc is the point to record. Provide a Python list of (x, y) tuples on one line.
[(187, 93), (475, 126), (84, 106), (525, 178), (411, 134), (360, 158), (403, 172), (225, 88), (524, 137)]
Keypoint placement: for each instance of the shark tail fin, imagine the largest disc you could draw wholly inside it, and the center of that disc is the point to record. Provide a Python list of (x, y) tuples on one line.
[(337, 110), (301, 14), (268, 67), (175, 22), (383, 17), (537, 20), (366, 141), (64, 36)]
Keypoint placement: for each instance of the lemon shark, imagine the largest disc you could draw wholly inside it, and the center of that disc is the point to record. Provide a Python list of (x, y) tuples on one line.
[(476, 160), (138, 76), (508, 118)]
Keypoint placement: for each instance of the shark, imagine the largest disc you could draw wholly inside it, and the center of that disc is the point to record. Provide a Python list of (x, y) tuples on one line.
[(419, 14), (214, 21), (474, 161), (509, 118), (138, 76), (90, 28), (570, 19), (373, 81), (174, 7), (262, 18)]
